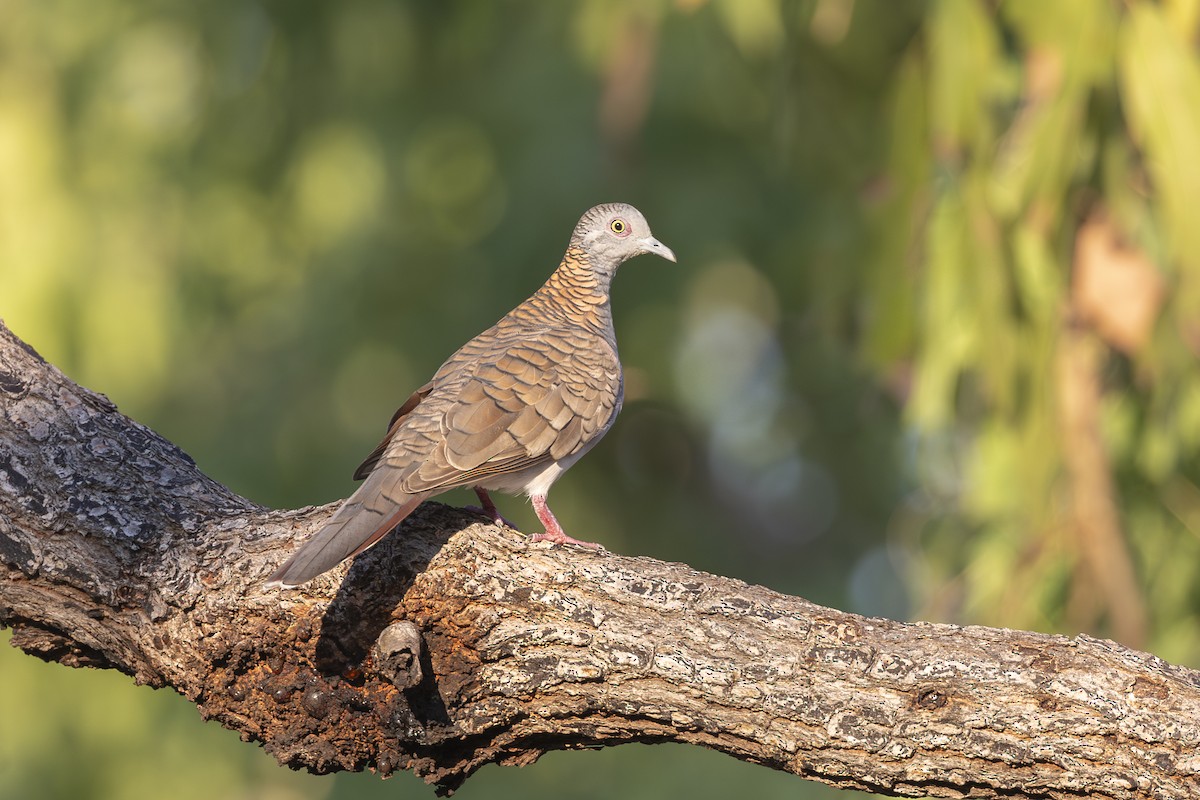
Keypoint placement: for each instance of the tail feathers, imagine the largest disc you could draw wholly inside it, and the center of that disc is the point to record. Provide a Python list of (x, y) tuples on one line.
[(365, 518)]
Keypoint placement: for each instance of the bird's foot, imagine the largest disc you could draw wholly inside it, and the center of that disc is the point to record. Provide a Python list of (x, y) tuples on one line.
[(488, 509), (554, 532), (493, 516), (558, 537)]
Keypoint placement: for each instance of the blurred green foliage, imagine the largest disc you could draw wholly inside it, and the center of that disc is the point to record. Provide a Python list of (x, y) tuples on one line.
[(258, 225)]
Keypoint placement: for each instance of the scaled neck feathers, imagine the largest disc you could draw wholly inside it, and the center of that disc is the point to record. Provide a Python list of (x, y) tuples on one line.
[(577, 293)]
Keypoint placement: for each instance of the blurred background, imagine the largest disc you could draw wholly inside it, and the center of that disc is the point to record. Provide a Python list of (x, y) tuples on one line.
[(927, 352)]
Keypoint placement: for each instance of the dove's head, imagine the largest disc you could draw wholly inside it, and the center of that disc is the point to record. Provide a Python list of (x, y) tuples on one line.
[(614, 233)]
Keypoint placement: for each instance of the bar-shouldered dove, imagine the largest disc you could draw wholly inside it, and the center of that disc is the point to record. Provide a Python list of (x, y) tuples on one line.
[(510, 411)]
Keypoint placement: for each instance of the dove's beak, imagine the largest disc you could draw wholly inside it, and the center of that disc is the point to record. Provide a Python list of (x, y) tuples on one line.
[(652, 245)]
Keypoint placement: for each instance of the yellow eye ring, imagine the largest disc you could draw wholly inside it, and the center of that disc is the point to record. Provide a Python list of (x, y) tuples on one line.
[(619, 227)]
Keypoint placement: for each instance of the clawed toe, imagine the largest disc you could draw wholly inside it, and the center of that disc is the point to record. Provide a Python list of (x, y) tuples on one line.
[(488, 509), (562, 538)]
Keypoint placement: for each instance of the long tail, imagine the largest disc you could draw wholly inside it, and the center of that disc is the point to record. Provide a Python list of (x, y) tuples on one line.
[(364, 519)]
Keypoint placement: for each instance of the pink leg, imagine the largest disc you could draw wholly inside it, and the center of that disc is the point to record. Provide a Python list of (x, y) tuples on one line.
[(554, 532), (488, 508)]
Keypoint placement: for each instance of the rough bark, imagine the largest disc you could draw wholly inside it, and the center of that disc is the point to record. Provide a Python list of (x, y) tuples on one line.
[(454, 643)]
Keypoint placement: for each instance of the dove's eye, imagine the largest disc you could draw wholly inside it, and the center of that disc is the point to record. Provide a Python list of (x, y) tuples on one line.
[(619, 227)]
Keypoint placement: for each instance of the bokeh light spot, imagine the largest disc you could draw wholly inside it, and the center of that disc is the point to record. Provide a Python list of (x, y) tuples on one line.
[(154, 83), (340, 181), (450, 171)]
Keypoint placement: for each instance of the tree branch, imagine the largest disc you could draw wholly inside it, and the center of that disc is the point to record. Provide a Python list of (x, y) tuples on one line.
[(456, 644)]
